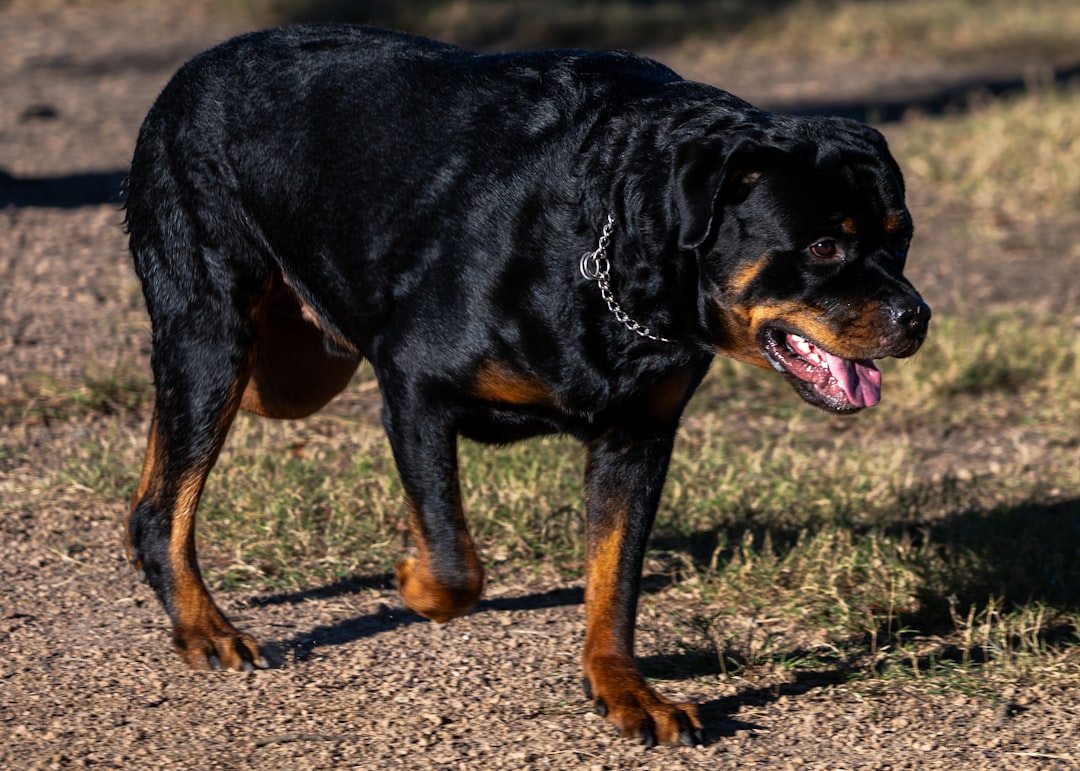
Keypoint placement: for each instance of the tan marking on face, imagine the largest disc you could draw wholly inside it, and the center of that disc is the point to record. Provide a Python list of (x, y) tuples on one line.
[(741, 280), (847, 227), (856, 339), (808, 320), (495, 383), (895, 222)]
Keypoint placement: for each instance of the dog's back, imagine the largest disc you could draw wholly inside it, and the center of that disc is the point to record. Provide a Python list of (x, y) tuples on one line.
[(277, 144)]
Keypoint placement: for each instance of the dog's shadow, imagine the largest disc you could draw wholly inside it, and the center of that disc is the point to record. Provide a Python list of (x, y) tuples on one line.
[(300, 646), (387, 618), (1024, 553), (716, 714)]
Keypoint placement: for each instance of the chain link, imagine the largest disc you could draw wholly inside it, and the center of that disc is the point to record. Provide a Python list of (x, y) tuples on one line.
[(595, 266)]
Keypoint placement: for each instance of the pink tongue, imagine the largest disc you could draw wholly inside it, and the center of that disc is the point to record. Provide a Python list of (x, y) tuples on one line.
[(861, 380)]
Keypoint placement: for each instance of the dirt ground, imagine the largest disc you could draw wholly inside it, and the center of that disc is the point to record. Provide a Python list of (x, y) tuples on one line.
[(86, 673)]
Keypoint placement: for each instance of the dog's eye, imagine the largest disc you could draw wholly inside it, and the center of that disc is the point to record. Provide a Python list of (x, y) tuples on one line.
[(826, 249), (902, 249)]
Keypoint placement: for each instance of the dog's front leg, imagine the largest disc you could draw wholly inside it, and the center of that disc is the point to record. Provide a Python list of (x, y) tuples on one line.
[(445, 578), (624, 477)]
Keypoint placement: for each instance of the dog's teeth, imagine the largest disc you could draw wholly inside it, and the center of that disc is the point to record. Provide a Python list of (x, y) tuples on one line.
[(807, 350), (800, 344)]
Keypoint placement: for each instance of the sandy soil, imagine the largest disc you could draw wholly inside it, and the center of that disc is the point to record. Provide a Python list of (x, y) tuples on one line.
[(86, 674)]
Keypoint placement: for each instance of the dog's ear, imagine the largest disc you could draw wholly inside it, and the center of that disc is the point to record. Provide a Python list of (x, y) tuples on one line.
[(708, 174)]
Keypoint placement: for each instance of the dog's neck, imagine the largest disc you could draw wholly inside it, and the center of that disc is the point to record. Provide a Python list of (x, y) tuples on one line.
[(596, 266)]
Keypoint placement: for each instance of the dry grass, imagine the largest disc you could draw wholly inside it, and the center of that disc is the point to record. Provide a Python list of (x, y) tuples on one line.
[(1011, 161), (935, 536), (953, 30), (821, 29), (40, 397)]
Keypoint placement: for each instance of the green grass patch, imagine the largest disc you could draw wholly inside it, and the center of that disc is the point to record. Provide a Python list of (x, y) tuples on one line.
[(935, 600), (819, 541), (40, 397), (283, 512)]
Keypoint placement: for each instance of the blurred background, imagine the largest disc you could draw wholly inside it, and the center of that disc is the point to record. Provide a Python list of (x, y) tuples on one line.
[(877, 60)]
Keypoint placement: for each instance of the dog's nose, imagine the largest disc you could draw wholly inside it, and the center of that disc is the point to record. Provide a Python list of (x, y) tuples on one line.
[(910, 321), (913, 318)]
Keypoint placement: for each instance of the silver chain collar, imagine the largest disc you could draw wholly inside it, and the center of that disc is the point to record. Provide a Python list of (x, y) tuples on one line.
[(595, 266)]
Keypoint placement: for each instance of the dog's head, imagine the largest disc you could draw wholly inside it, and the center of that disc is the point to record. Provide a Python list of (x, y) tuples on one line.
[(800, 231)]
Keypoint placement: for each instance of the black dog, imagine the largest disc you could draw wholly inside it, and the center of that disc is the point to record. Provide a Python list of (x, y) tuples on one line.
[(519, 244)]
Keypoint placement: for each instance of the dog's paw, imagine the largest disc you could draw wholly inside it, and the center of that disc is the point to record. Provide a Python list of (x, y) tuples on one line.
[(219, 647), (620, 695), (439, 601)]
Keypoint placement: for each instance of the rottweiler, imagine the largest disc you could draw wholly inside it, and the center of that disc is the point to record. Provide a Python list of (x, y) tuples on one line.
[(520, 244)]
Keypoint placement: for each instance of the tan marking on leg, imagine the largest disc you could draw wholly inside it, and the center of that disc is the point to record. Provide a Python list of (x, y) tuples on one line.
[(201, 633), (149, 482), (440, 598), (151, 466), (601, 589), (613, 679), (664, 399), (182, 536)]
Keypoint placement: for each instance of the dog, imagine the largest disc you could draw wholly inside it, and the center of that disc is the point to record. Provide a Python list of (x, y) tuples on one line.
[(519, 244)]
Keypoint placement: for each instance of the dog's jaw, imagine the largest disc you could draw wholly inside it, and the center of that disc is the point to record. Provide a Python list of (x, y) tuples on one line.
[(828, 381)]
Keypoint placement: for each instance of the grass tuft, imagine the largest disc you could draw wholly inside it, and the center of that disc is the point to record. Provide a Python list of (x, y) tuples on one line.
[(40, 397)]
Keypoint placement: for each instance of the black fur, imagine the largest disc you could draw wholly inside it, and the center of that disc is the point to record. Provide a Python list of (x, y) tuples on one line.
[(426, 208)]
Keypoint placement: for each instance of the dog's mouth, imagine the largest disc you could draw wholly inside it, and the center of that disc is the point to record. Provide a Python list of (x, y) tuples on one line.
[(822, 378)]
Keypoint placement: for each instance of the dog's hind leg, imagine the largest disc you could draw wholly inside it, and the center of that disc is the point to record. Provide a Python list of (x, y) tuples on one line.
[(200, 375), (264, 356), (204, 287)]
